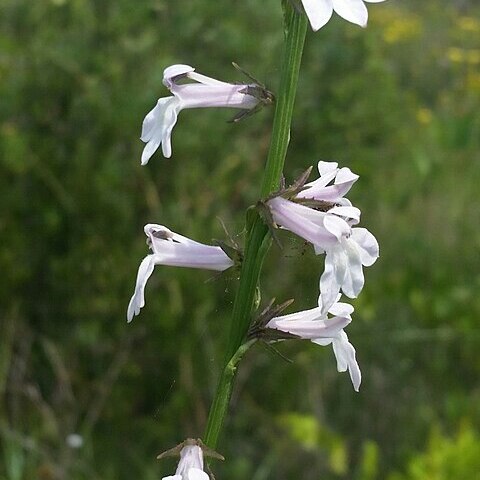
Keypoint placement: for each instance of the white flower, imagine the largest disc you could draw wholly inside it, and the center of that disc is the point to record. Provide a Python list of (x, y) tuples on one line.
[(205, 92), (347, 249), (315, 325), (170, 248), (319, 227), (343, 179), (190, 466), (319, 12)]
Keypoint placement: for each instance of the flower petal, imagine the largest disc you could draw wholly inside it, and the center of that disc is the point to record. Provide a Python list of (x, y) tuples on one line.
[(158, 234), (150, 148), (346, 359), (224, 95), (354, 280), (318, 189), (368, 245), (191, 458), (341, 309), (313, 330), (197, 474), (157, 127), (323, 341), (345, 175), (336, 225), (138, 299), (178, 255), (170, 74), (353, 11), (169, 121), (154, 118), (352, 213), (305, 315), (318, 12), (328, 171), (333, 276), (198, 77), (325, 168)]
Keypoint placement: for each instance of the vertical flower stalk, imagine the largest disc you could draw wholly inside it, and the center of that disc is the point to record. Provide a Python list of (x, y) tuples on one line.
[(258, 238), (258, 241)]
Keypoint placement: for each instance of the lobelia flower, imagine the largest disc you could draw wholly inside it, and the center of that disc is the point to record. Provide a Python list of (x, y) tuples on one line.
[(315, 325), (190, 466), (347, 249), (319, 12), (205, 92), (170, 248)]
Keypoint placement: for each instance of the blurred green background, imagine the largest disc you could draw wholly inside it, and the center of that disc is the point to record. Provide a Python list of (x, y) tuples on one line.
[(398, 103)]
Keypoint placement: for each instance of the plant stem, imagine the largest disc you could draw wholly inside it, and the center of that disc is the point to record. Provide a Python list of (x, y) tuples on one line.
[(296, 29), (220, 403), (258, 239)]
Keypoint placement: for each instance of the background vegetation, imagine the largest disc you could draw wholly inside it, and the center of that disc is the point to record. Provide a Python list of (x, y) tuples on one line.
[(398, 103)]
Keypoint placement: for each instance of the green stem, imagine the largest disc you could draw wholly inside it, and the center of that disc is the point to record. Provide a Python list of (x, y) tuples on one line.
[(296, 31), (220, 403), (258, 239)]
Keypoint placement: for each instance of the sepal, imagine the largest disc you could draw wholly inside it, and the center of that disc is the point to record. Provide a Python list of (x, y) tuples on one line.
[(258, 91), (258, 327), (266, 215), (175, 451), (234, 253)]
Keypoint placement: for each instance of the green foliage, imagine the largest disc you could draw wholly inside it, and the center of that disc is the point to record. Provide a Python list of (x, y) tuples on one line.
[(308, 433), (397, 102), (446, 458), (369, 461)]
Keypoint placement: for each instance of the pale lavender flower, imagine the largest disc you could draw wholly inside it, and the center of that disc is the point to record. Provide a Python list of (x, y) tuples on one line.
[(315, 325), (319, 12), (347, 249), (170, 248), (190, 466), (204, 92)]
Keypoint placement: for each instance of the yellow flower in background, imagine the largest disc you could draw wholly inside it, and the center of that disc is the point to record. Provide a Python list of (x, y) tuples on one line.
[(455, 55), (469, 24), (398, 24), (473, 82), (402, 29), (473, 57), (460, 55), (424, 116)]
